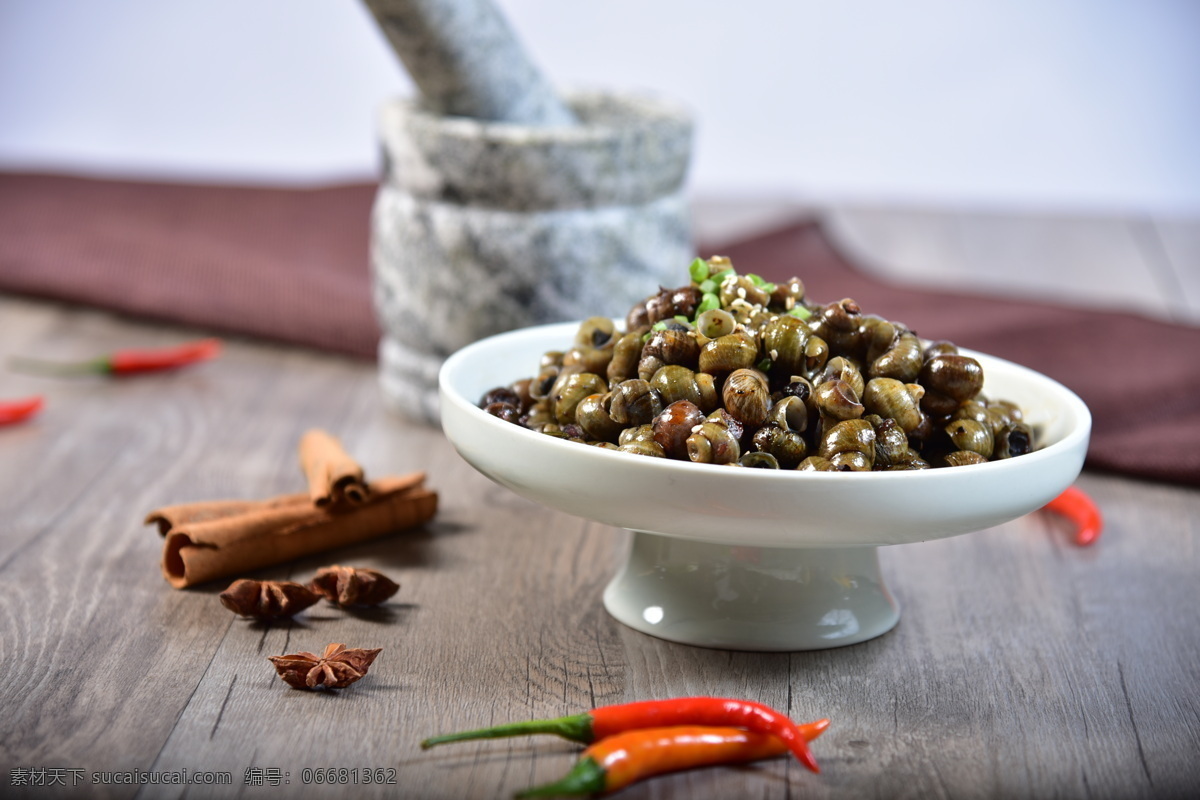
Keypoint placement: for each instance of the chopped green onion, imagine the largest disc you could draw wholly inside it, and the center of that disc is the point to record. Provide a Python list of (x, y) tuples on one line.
[(755, 279), (661, 325), (801, 312), (708, 286), (765, 365), (722, 275), (683, 320), (707, 303), (698, 269), (769, 288)]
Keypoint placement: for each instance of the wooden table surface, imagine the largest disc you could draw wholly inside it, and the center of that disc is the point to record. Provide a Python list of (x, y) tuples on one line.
[(1023, 666)]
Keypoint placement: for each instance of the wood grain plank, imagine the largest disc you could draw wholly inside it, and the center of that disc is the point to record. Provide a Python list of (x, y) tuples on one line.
[(719, 220), (1175, 242), (1022, 665), (1093, 261)]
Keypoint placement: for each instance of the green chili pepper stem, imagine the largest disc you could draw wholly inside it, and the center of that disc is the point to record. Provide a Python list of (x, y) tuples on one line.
[(33, 366), (575, 728), (586, 777)]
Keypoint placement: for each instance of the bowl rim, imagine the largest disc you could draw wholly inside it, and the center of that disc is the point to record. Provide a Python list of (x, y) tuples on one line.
[(1075, 436)]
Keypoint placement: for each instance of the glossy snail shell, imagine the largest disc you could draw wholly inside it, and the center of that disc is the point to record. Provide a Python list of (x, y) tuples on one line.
[(747, 396), (888, 397), (566, 399), (712, 443), (728, 353)]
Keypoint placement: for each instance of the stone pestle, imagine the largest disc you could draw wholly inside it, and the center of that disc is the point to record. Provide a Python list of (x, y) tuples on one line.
[(503, 206), (466, 61)]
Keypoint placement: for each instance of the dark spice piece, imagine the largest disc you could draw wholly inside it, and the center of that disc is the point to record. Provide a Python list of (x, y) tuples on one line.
[(351, 586), (267, 600), (337, 668)]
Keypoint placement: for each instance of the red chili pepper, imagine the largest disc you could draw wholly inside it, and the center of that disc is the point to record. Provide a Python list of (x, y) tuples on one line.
[(127, 362), (14, 411), (607, 721), (1075, 505), (625, 758)]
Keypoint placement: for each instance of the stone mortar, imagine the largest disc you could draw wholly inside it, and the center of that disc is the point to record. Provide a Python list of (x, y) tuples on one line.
[(480, 228)]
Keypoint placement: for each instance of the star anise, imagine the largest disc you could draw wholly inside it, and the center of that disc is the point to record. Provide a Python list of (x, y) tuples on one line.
[(267, 600), (337, 668), (351, 586)]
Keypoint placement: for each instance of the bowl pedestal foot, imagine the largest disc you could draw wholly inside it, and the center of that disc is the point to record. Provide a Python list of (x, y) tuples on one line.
[(751, 598)]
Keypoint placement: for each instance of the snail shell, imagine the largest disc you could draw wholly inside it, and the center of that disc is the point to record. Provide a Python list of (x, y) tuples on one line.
[(787, 295), (634, 402), (840, 324), (595, 332), (888, 397), (566, 398), (626, 354), (593, 416), (715, 323), (970, 435), (961, 458), (949, 380), (790, 412), (589, 359), (644, 447), (842, 368), (816, 356), (757, 460), (670, 303), (816, 464), (728, 353), (675, 344), (1013, 440), (712, 443), (638, 433), (838, 400), (786, 446), (891, 445), (747, 396), (674, 425), (674, 382), (783, 340), (902, 361), (848, 436)]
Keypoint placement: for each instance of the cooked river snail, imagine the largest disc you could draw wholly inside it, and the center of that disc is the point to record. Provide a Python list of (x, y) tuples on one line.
[(733, 370)]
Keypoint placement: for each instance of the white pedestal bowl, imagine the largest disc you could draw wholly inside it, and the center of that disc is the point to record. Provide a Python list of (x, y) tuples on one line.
[(750, 559)]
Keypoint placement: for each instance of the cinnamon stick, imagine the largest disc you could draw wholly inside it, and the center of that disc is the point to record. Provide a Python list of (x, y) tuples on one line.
[(205, 541), (333, 476), (169, 517)]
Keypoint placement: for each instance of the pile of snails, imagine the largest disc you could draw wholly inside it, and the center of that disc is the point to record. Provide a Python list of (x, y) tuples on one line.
[(731, 369)]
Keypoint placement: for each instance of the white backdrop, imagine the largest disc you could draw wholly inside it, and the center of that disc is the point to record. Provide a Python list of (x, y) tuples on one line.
[(1084, 104)]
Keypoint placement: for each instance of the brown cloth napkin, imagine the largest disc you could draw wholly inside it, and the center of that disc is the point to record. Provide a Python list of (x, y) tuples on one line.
[(283, 264), (292, 265)]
